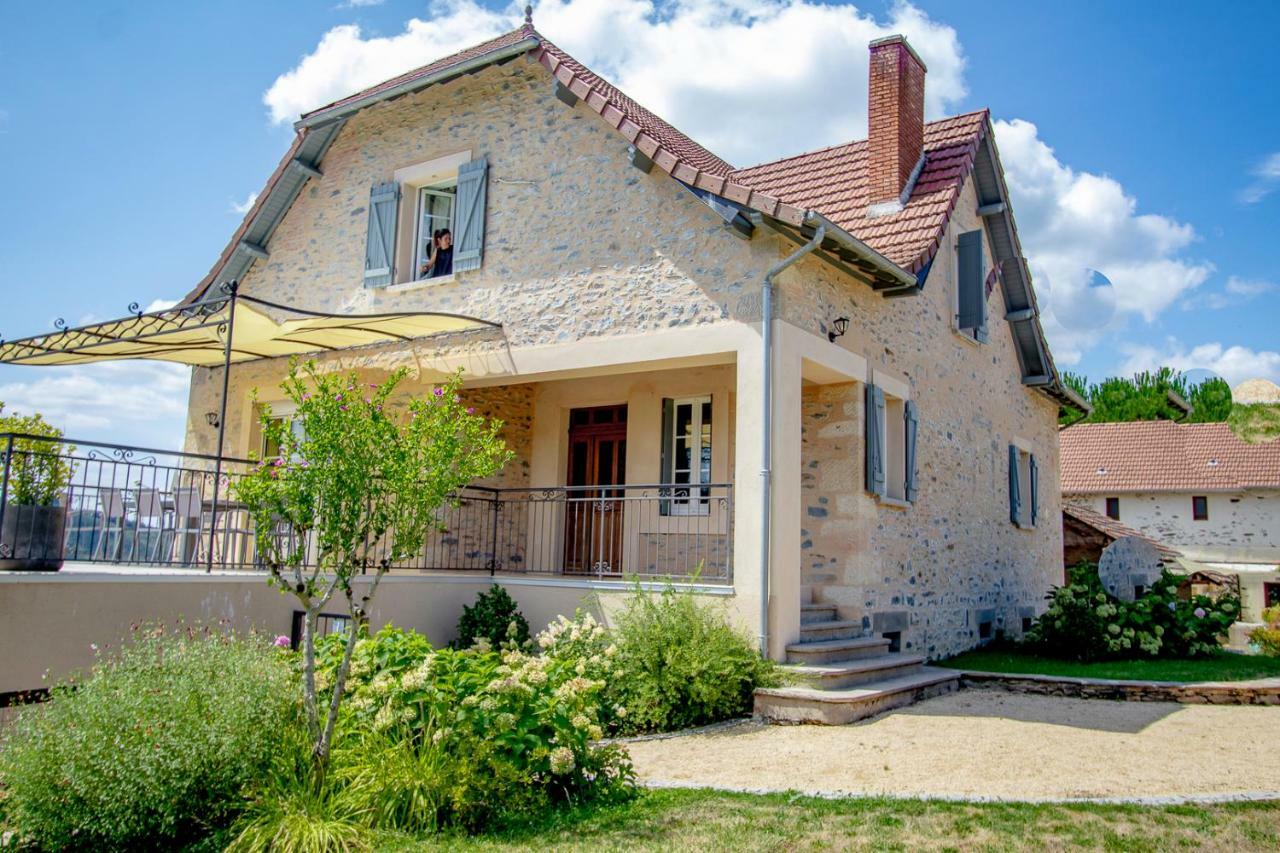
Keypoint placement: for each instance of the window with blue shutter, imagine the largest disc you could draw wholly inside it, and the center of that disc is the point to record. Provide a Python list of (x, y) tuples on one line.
[(1035, 487), (875, 472), (380, 241), (911, 421), (1015, 487), (971, 285), (473, 179)]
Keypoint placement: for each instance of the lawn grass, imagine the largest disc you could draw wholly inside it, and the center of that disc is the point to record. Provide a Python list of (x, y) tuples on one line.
[(711, 820), (1255, 422), (1223, 666)]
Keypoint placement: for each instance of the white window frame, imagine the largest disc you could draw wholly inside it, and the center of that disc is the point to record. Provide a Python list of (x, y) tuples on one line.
[(279, 412), (699, 504), (436, 189), (412, 179)]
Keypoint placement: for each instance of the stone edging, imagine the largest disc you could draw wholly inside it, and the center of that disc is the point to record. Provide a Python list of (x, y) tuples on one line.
[(1265, 691), (824, 794)]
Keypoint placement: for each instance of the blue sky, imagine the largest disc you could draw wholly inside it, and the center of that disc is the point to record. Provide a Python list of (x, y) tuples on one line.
[(1141, 139)]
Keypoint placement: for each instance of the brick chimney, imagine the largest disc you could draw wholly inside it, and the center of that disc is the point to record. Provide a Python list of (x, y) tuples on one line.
[(895, 118)]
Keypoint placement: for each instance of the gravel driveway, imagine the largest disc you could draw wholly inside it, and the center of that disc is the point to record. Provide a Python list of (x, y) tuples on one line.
[(990, 744)]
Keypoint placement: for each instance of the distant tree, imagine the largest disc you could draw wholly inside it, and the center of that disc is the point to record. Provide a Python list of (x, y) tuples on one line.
[(1212, 401), (1146, 397)]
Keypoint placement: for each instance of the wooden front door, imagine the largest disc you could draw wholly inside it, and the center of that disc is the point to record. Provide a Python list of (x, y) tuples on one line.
[(593, 512)]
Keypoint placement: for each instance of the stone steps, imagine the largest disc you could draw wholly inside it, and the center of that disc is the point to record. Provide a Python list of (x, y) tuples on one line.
[(831, 651), (847, 705), (842, 676), (836, 676), (810, 613), (830, 629)]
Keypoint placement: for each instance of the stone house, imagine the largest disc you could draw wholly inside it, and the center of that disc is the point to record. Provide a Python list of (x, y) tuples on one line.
[(884, 447), (1198, 488)]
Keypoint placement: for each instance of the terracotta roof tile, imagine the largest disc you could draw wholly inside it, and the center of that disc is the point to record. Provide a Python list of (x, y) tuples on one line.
[(833, 181), (1162, 456)]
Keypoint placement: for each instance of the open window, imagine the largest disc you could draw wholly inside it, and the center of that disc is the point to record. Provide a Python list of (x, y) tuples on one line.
[(1024, 487), (1113, 509), (686, 455), (427, 223), (891, 428)]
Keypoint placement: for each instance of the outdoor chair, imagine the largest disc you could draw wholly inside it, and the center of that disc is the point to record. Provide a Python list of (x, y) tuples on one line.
[(148, 538), (112, 505), (186, 527)]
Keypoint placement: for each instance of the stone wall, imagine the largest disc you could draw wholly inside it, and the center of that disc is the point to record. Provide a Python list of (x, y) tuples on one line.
[(580, 245), (939, 568)]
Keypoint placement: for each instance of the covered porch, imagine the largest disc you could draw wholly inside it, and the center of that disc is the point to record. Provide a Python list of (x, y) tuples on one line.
[(635, 456)]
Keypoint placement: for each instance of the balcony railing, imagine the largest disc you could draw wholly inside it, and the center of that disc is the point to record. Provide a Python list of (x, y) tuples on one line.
[(149, 507)]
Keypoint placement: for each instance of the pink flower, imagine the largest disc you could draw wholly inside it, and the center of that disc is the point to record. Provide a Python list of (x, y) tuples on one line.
[(337, 397), (1199, 612), (342, 408), (471, 410), (283, 642), (279, 461), (439, 392)]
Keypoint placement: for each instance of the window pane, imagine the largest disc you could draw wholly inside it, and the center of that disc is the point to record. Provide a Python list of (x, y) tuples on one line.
[(435, 213)]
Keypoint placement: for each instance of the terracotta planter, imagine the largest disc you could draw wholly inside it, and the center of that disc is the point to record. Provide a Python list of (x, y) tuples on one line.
[(31, 538)]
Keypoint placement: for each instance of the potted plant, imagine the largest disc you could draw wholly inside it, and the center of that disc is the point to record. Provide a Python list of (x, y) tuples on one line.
[(34, 471)]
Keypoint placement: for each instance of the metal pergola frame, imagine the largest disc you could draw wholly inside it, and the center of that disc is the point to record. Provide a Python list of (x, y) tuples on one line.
[(144, 328)]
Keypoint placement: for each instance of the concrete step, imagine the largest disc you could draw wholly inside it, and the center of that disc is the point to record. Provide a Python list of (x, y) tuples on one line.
[(838, 707), (836, 676), (830, 651), (832, 629), (810, 613)]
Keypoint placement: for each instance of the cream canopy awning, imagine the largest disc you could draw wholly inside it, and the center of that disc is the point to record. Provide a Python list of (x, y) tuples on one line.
[(197, 334)]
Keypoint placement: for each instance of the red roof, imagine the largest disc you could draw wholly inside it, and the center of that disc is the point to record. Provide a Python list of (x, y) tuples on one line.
[(833, 181), (830, 182), (1162, 456)]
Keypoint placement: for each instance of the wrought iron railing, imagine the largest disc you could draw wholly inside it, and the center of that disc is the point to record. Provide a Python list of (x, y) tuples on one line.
[(149, 507)]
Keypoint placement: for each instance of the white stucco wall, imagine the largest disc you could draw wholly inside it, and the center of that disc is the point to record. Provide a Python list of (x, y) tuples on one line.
[(1243, 527)]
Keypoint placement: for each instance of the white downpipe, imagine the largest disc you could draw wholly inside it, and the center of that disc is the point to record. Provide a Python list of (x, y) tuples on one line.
[(766, 462)]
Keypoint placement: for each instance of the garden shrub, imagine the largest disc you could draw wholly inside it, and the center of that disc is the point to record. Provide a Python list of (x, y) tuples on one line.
[(670, 662), (1267, 638), (494, 618), (154, 747), (471, 738), (1085, 623)]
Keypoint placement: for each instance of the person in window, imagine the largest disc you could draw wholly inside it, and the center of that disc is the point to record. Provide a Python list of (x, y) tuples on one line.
[(441, 261)]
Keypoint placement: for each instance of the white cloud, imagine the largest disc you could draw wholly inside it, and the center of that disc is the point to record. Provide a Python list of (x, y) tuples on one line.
[(750, 80), (1266, 180), (245, 206), (126, 402), (357, 4), (1235, 292), (1233, 363), (1072, 221)]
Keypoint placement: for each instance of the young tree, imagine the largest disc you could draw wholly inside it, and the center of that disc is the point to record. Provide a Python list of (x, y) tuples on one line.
[(355, 489)]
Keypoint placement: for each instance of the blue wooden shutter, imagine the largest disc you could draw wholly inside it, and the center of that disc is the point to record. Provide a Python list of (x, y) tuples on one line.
[(1015, 500), (473, 179), (972, 285), (668, 457), (1035, 490), (912, 421), (380, 241), (875, 451)]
